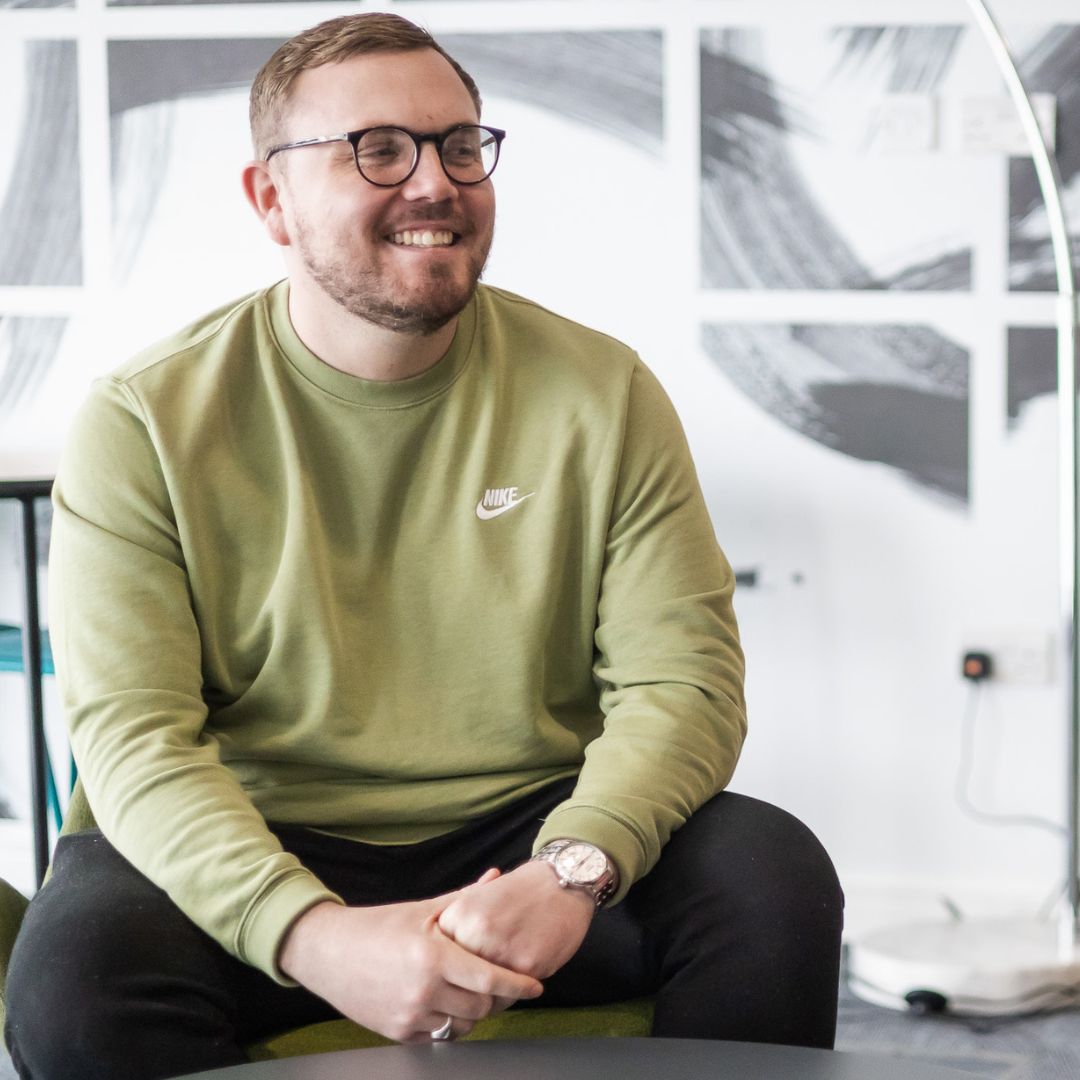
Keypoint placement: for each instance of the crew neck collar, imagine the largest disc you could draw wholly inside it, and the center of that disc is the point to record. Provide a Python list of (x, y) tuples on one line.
[(373, 393)]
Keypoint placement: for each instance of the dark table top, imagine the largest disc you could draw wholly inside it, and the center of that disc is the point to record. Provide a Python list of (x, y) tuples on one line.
[(588, 1059)]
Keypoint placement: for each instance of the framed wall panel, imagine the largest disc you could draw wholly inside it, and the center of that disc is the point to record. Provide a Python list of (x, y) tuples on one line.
[(798, 190), (40, 214), (1050, 65)]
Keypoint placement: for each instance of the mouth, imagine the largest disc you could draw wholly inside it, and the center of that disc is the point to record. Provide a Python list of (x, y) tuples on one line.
[(424, 238)]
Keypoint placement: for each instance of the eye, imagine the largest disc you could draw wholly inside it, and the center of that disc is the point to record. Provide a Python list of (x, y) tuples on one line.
[(383, 152), (462, 151), (384, 147)]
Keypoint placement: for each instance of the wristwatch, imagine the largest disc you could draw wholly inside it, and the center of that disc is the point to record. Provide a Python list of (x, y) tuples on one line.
[(579, 865)]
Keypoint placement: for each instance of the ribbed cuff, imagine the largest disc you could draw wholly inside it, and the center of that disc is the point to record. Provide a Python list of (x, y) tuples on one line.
[(614, 837), (271, 916)]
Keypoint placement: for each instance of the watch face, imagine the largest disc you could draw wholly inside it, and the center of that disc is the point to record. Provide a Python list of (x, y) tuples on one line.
[(581, 863)]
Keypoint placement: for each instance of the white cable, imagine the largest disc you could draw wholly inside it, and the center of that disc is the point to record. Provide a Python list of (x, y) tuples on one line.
[(967, 767)]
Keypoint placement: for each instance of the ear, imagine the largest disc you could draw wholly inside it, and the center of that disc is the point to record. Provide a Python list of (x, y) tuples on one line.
[(264, 194)]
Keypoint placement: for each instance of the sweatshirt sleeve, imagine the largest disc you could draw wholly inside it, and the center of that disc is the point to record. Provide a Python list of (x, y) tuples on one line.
[(129, 664), (668, 660)]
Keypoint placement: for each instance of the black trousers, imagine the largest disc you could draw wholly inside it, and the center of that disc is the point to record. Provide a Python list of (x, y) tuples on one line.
[(736, 931)]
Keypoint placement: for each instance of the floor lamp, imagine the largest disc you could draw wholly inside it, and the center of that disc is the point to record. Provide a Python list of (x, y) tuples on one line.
[(1007, 967)]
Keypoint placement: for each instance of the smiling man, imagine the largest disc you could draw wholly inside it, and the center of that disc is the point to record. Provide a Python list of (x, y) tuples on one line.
[(396, 647), (402, 252)]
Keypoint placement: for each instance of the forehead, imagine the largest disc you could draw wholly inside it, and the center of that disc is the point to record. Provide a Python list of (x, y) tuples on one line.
[(417, 89)]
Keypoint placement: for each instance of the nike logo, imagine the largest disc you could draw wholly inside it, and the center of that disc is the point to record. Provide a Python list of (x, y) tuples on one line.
[(498, 501)]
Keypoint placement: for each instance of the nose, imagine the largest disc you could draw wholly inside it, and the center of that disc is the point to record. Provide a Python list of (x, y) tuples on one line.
[(429, 181)]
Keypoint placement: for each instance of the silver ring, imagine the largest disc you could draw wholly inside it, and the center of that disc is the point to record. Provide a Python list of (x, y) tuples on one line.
[(445, 1033)]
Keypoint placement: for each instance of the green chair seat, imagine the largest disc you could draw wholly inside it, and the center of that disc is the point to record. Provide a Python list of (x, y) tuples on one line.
[(626, 1019), (623, 1019), (12, 908)]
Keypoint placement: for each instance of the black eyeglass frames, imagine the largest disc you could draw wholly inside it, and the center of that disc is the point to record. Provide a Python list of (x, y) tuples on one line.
[(388, 156)]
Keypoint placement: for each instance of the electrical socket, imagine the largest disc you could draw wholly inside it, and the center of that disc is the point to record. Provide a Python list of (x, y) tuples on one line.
[(1019, 655)]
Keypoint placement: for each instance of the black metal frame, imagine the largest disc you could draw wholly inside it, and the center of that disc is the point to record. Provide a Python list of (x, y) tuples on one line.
[(27, 492)]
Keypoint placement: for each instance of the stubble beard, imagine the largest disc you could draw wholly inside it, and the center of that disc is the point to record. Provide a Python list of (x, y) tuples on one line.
[(368, 294)]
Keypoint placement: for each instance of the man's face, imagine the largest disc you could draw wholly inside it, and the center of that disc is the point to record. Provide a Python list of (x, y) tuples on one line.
[(346, 234)]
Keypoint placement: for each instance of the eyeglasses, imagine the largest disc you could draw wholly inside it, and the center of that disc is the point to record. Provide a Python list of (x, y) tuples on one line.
[(388, 156)]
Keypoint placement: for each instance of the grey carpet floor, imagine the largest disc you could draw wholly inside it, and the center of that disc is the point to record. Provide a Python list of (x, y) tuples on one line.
[(1045, 1047), (1032, 1048)]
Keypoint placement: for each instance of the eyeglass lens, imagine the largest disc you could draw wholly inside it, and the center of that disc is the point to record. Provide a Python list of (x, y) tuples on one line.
[(387, 155)]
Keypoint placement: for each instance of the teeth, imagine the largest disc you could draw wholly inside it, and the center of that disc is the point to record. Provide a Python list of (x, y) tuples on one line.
[(427, 238)]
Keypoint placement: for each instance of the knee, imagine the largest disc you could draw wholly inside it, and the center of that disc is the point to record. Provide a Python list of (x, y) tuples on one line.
[(788, 860), (753, 855), (756, 918), (57, 991), (80, 961)]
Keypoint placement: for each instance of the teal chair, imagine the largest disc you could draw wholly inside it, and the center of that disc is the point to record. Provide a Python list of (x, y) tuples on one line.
[(627, 1018)]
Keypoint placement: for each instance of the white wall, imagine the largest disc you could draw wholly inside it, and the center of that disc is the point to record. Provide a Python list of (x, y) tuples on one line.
[(868, 469)]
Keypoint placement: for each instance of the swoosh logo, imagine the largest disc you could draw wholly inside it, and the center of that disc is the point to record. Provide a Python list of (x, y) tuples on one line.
[(484, 514)]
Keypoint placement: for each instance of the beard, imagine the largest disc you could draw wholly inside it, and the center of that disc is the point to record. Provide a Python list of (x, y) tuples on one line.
[(375, 296)]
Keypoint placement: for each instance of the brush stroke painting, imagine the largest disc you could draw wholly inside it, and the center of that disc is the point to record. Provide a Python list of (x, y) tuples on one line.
[(797, 193), (897, 395), (1032, 368), (1050, 63)]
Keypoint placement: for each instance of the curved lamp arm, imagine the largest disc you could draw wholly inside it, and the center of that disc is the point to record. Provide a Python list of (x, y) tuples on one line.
[(1050, 185)]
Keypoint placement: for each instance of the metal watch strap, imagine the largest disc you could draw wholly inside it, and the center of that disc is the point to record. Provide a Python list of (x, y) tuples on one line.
[(601, 890)]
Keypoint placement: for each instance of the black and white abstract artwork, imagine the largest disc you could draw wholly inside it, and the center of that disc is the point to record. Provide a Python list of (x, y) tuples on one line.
[(40, 214), (1051, 65), (610, 82), (28, 346), (897, 395), (179, 136), (1032, 367), (173, 106), (795, 192), (39, 168), (170, 101), (174, 3)]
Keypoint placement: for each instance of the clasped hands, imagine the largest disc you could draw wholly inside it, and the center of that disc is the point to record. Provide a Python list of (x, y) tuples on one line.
[(403, 969)]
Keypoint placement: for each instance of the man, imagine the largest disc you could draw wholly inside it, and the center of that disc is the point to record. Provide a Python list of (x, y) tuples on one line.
[(397, 650)]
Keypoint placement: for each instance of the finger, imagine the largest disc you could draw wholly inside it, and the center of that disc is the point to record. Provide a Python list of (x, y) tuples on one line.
[(453, 1001), (488, 875), (470, 972), (460, 1028), (499, 1005)]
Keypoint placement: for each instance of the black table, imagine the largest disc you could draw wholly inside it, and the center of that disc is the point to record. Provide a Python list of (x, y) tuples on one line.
[(588, 1059)]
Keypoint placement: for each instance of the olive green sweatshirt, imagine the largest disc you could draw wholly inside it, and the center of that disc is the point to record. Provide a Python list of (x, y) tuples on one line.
[(380, 609)]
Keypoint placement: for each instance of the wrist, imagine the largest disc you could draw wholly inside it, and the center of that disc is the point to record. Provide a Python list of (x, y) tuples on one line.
[(301, 938), (581, 867), (544, 884)]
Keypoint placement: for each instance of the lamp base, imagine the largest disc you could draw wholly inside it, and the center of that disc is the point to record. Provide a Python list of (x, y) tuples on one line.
[(998, 967)]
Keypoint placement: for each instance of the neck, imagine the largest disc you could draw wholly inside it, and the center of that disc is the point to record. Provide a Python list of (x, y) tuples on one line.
[(360, 348)]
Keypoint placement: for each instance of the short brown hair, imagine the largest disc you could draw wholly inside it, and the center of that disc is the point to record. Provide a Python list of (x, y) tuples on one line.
[(330, 42)]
